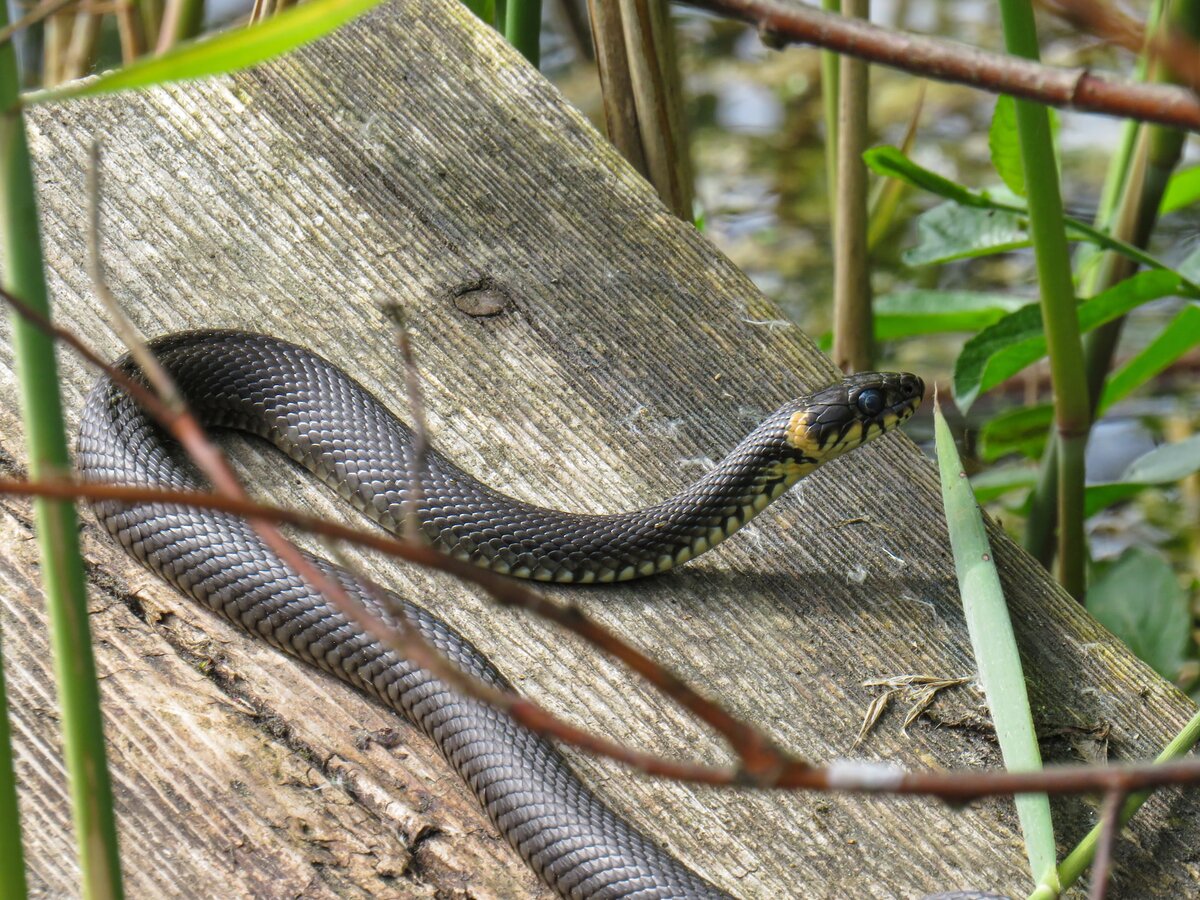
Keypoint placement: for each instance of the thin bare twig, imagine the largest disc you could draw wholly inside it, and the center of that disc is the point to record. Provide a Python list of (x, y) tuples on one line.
[(408, 640), (1110, 827), (761, 763), (419, 424), (135, 342), (790, 773), (783, 22)]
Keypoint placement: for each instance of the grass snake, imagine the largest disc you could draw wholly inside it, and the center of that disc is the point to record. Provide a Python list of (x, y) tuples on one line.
[(326, 421)]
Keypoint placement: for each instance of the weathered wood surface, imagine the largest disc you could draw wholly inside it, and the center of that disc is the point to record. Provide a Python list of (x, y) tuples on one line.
[(406, 159)]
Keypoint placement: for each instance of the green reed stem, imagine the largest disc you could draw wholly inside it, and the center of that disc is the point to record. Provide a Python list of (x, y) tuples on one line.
[(484, 9), (523, 28), (58, 540), (853, 327), (830, 80), (1143, 176), (12, 858), (1072, 411)]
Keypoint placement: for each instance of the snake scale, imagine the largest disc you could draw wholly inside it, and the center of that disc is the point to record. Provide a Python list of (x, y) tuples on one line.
[(323, 419)]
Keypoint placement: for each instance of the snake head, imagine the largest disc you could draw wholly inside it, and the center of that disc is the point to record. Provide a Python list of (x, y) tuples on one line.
[(846, 415)]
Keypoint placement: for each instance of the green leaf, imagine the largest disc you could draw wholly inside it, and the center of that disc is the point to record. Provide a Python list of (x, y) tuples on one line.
[(1004, 147), (1098, 497), (952, 231), (997, 481), (1022, 430), (1179, 336), (908, 313), (1139, 600), (994, 644), (225, 52), (1190, 267), (1005, 348), (890, 162), (1162, 465), (1182, 190), (1169, 462)]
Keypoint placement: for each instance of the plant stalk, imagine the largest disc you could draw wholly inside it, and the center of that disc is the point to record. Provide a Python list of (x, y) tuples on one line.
[(1143, 177), (852, 320), (830, 78), (12, 858), (57, 529), (1059, 317), (523, 28)]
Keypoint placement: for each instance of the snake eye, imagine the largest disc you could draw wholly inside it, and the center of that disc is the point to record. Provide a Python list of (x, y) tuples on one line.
[(870, 402)]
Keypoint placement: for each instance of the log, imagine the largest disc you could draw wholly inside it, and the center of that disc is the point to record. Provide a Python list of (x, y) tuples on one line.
[(582, 348)]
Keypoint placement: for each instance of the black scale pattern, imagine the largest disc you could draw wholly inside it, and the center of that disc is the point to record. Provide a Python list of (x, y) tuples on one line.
[(326, 421)]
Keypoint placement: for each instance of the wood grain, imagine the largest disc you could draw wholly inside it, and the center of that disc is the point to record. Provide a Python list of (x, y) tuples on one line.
[(411, 159)]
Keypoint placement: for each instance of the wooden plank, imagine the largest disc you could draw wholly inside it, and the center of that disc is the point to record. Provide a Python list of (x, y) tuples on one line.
[(412, 158)]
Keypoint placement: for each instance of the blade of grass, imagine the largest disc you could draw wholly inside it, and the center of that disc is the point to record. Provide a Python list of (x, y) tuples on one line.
[(57, 529), (1080, 858), (995, 646), (226, 52), (12, 859)]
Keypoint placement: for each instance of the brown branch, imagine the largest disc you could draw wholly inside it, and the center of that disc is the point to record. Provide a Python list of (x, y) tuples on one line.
[(783, 22), (789, 773), (409, 642)]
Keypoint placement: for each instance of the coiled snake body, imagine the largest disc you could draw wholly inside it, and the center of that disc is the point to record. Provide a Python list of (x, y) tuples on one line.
[(322, 418)]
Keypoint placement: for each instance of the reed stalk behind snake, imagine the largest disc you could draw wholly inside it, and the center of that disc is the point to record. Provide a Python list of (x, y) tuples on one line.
[(323, 419)]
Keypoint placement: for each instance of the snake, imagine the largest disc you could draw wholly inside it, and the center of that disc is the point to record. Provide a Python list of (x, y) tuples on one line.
[(323, 419)]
